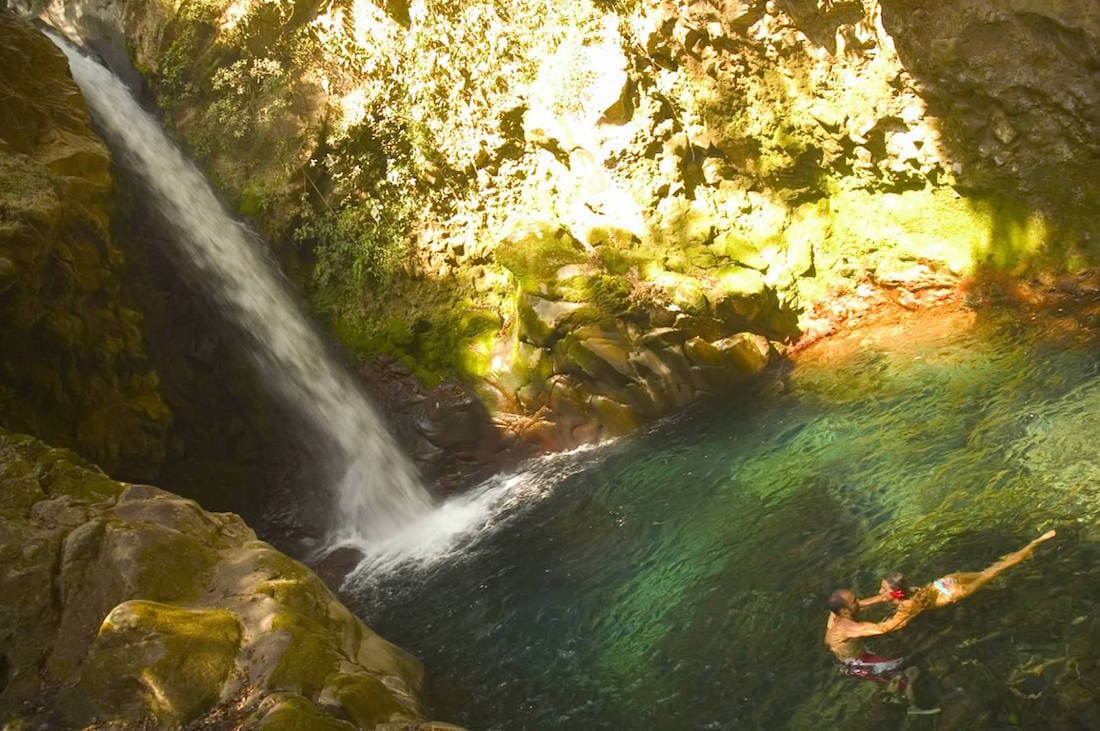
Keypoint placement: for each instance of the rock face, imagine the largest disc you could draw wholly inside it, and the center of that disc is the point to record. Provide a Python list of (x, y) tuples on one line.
[(570, 209), (1015, 86), (128, 606), (72, 364)]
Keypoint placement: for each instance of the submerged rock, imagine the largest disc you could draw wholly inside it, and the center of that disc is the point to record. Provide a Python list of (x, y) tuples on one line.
[(127, 605)]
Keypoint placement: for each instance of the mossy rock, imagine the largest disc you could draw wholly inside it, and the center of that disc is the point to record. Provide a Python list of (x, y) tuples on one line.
[(75, 372), (668, 372), (738, 282), (535, 253), (139, 609), (932, 224), (364, 698), (172, 565), (542, 321), (610, 294), (682, 223), (610, 238), (701, 353), (615, 417), (600, 359), (615, 260), (685, 293), (749, 353), (176, 659), (569, 401), (528, 365), (59, 471), (291, 712), (291, 584)]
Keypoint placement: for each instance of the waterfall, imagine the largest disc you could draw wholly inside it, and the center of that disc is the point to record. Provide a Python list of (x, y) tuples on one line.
[(378, 490)]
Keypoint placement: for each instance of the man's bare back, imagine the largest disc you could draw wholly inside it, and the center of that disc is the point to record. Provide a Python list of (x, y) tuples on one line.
[(844, 633)]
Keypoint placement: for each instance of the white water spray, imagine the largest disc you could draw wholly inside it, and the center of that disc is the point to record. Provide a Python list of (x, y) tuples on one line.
[(457, 527), (379, 493)]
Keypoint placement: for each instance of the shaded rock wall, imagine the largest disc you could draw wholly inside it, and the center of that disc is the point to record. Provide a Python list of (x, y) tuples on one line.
[(127, 606), (572, 209), (72, 364), (1013, 87)]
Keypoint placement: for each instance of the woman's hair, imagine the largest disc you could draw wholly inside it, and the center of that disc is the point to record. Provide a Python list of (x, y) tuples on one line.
[(897, 582)]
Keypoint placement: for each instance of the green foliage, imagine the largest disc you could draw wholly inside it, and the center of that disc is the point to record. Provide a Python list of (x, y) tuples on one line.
[(371, 183), (248, 93), (190, 34), (354, 249)]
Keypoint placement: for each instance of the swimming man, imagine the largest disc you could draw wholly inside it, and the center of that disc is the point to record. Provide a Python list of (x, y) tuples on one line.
[(844, 635)]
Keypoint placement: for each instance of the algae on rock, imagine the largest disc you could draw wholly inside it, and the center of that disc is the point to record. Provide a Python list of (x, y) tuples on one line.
[(129, 606)]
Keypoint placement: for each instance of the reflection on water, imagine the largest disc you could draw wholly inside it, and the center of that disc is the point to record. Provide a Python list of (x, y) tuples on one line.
[(680, 582)]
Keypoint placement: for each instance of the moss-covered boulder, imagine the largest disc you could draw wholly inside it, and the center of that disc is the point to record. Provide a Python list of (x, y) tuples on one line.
[(72, 364), (129, 607)]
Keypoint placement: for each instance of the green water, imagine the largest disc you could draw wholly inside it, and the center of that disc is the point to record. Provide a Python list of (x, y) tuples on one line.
[(679, 581)]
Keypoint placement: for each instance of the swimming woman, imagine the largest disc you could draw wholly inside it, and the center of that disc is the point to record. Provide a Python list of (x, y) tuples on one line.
[(947, 589)]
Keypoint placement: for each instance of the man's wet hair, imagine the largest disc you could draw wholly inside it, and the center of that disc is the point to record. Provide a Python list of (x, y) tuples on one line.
[(839, 600), (897, 581)]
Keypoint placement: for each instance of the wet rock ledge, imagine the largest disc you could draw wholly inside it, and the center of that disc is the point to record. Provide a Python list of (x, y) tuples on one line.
[(127, 606)]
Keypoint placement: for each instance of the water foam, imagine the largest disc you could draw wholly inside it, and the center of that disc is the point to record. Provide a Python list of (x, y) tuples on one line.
[(456, 527)]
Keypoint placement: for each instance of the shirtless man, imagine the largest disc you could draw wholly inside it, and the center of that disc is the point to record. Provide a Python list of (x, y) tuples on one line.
[(948, 589), (844, 635)]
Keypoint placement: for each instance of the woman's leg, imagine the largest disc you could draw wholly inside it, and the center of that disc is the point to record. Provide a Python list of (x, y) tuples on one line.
[(963, 584)]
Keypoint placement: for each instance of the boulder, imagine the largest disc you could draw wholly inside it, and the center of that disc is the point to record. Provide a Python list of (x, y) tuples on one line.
[(741, 298), (748, 353), (701, 353), (602, 360), (667, 374), (718, 365), (568, 402), (541, 320), (125, 605), (664, 337)]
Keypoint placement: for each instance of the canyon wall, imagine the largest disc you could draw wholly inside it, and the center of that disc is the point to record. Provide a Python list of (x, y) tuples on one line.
[(73, 367), (572, 219)]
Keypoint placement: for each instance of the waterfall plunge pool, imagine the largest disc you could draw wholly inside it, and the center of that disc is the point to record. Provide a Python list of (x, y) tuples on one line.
[(678, 580)]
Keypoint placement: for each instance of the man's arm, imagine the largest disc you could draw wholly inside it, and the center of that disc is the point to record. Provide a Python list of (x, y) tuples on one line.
[(901, 617)]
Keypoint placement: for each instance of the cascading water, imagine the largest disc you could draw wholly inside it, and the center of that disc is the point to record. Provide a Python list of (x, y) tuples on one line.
[(379, 493)]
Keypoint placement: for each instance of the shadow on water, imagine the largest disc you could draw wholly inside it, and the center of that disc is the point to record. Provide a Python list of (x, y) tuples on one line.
[(679, 582)]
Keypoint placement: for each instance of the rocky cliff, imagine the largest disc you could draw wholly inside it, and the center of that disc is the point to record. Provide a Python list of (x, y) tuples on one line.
[(125, 606), (590, 214), (72, 363)]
